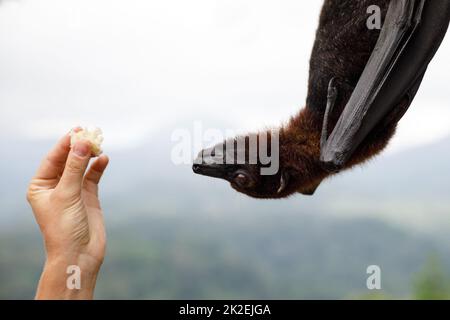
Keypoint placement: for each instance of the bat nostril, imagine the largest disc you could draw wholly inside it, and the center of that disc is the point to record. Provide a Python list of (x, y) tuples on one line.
[(195, 167)]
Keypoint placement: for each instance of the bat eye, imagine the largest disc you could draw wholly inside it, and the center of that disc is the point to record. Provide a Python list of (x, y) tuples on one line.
[(242, 180)]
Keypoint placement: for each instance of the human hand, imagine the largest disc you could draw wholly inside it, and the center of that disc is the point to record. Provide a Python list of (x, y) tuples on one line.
[(66, 206)]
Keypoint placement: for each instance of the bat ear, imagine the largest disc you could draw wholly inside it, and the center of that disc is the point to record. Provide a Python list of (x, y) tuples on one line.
[(310, 190), (284, 180)]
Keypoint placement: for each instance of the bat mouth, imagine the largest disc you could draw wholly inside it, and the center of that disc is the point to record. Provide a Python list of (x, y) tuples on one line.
[(211, 165), (210, 170)]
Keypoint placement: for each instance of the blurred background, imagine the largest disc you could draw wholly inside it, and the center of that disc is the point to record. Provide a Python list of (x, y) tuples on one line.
[(141, 70)]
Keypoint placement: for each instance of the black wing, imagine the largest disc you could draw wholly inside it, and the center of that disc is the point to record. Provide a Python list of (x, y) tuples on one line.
[(412, 33)]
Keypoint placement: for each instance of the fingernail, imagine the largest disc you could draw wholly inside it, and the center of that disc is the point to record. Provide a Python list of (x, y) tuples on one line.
[(81, 149)]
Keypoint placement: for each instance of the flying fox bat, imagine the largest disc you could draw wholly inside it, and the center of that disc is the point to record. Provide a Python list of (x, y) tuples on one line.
[(361, 83)]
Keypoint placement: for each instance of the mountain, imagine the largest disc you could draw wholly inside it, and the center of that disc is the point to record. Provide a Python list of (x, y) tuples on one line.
[(409, 188)]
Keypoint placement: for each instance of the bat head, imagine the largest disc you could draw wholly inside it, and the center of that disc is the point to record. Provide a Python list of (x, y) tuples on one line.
[(248, 172)]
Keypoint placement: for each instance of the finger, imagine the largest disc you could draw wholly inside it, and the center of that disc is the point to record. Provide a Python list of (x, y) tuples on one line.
[(95, 172), (53, 164), (77, 162)]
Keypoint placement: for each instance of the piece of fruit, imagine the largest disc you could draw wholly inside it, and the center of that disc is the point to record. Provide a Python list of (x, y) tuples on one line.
[(95, 137)]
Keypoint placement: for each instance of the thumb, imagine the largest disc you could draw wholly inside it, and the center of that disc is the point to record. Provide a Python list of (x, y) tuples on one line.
[(77, 162)]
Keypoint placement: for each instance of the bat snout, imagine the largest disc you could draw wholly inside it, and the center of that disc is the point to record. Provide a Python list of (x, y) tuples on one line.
[(211, 164), (210, 170), (196, 168)]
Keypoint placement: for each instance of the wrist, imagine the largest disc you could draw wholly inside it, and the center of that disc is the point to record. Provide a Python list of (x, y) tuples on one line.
[(68, 277)]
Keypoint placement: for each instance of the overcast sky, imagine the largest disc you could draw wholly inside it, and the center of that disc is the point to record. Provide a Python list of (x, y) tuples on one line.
[(135, 67)]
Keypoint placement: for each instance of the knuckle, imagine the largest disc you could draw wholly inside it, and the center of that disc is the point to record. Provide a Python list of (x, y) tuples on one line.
[(74, 166), (30, 193), (29, 196), (91, 187)]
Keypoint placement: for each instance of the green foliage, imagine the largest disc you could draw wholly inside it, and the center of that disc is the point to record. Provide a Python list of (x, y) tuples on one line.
[(431, 282), (199, 257)]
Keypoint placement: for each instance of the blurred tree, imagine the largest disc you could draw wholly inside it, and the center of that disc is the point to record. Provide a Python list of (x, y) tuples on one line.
[(431, 282)]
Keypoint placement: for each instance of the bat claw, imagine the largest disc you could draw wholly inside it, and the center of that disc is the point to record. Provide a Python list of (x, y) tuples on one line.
[(331, 100)]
